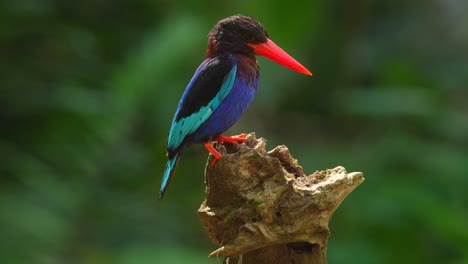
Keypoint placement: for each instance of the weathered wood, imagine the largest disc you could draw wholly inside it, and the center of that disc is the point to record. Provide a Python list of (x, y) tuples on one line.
[(260, 207)]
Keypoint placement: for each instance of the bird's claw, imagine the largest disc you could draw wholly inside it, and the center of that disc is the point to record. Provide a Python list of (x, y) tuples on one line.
[(212, 150), (232, 139)]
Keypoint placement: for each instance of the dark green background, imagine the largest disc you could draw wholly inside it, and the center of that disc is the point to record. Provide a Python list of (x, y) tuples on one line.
[(88, 90)]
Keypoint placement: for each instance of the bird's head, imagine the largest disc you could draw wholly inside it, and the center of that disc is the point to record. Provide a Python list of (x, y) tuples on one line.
[(243, 34)]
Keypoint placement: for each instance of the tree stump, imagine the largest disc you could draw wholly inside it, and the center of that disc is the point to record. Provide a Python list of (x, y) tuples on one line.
[(260, 207)]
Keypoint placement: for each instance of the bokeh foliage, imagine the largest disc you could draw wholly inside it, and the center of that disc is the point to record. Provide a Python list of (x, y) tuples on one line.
[(88, 90)]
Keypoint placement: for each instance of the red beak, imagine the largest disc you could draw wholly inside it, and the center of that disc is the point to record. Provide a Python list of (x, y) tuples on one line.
[(273, 52)]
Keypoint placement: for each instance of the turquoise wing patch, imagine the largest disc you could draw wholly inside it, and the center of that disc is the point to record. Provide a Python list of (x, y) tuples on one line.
[(188, 125)]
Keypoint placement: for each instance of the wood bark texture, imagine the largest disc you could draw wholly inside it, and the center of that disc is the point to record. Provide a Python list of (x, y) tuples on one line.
[(260, 207)]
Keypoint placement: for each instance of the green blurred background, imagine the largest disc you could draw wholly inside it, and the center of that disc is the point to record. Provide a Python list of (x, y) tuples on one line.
[(89, 88)]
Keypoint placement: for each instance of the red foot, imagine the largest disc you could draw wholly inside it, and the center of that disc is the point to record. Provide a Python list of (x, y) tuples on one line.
[(232, 140), (212, 150)]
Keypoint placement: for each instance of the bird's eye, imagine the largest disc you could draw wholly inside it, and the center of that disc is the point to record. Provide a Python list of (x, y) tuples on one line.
[(248, 37)]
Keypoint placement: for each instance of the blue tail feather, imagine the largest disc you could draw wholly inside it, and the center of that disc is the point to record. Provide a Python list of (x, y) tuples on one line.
[(168, 172)]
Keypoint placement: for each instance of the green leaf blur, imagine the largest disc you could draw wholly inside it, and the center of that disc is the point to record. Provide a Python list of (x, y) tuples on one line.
[(88, 90)]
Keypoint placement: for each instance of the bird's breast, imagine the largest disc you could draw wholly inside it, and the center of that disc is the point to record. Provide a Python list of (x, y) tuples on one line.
[(248, 70)]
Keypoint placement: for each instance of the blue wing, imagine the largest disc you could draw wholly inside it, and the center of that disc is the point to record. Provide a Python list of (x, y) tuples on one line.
[(210, 85)]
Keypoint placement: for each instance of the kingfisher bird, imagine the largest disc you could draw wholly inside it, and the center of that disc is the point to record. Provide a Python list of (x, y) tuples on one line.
[(222, 88)]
